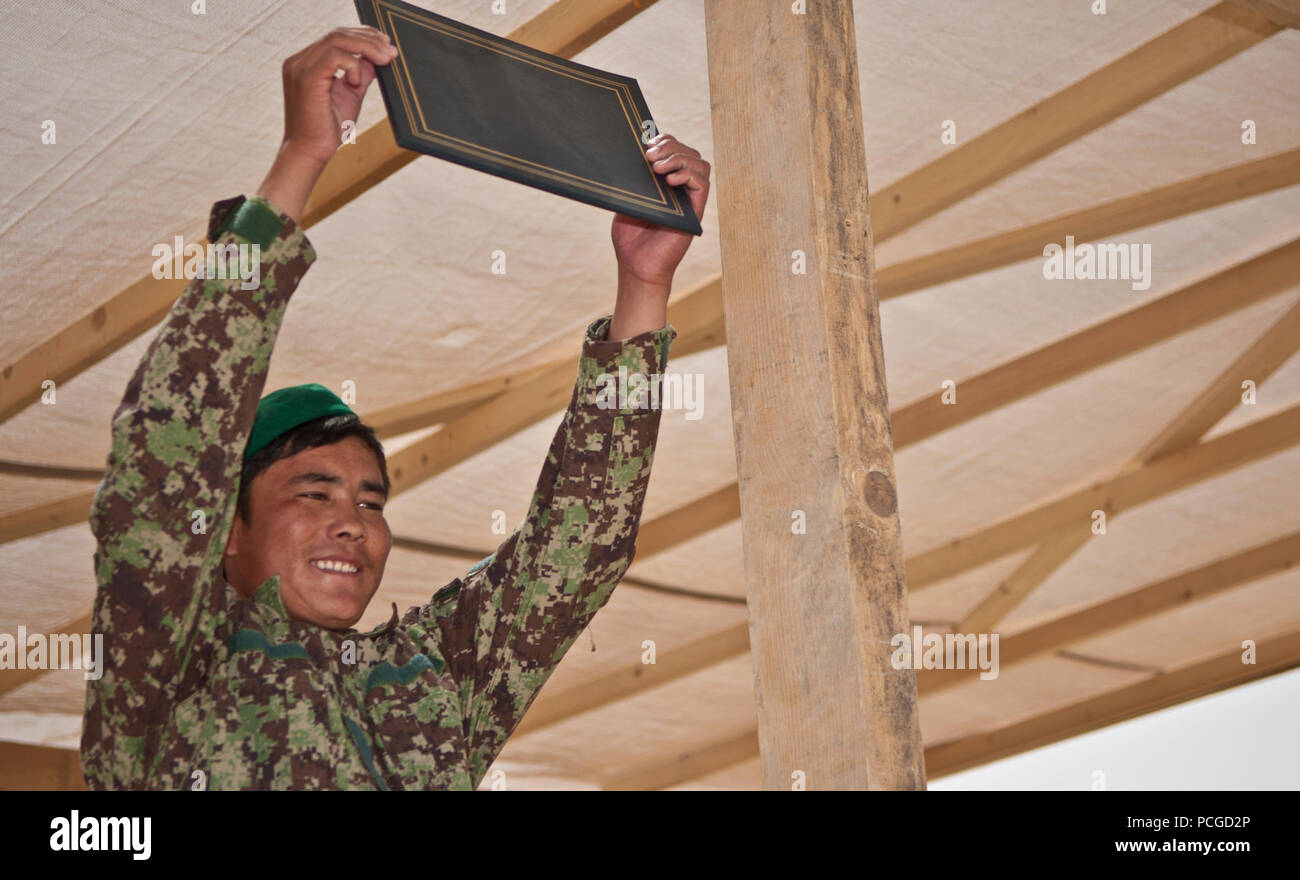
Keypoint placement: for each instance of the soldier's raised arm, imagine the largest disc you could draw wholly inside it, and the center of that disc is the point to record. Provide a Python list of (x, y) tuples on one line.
[(163, 512), (507, 624)]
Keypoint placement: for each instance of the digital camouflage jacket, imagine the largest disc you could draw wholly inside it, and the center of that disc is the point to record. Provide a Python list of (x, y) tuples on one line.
[(204, 689)]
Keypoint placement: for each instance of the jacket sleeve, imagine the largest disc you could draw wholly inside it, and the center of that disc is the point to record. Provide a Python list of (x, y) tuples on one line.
[(504, 628), (163, 512)]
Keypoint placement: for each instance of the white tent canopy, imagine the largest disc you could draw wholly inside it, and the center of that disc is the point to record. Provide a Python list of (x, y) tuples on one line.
[(159, 114)]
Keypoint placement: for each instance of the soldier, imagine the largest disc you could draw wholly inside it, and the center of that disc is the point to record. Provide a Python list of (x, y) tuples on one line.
[(231, 662)]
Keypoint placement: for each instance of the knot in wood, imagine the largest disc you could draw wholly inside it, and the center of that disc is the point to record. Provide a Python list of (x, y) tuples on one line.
[(881, 497)]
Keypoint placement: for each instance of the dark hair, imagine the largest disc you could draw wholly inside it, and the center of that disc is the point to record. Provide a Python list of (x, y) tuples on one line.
[(324, 431)]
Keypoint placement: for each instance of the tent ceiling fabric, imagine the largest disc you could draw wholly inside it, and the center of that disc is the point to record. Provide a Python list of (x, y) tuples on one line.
[(159, 115)]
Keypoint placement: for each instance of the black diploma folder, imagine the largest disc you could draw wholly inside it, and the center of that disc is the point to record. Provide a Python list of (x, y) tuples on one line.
[(471, 97)]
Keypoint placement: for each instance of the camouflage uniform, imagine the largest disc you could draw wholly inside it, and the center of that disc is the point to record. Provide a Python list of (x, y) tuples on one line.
[(198, 679)]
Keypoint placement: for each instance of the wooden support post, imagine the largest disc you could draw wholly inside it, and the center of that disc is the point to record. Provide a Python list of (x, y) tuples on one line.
[(809, 409)]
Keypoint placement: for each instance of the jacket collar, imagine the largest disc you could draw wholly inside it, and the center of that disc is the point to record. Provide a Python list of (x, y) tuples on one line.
[(270, 602)]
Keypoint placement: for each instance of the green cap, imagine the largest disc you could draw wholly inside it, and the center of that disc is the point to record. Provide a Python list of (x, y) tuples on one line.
[(286, 409)]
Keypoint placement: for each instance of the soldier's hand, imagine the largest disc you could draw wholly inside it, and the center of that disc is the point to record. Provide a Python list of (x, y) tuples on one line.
[(316, 102), (650, 252)]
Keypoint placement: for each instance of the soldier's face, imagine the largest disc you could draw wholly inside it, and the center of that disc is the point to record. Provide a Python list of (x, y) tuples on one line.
[(316, 519)]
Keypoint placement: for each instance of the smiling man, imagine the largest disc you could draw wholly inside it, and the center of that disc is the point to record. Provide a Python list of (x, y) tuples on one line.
[(317, 479), (238, 540)]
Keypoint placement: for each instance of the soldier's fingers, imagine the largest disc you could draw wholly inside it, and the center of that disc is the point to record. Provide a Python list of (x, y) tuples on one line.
[(666, 144), (352, 39), (689, 178), (681, 161), (367, 75), (374, 47), (332, 60)]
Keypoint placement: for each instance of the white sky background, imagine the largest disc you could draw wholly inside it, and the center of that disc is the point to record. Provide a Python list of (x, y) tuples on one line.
[(1245, 738)]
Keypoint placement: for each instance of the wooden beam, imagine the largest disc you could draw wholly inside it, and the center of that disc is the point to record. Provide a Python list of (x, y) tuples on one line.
[(1129, 607), (1283, 13), (637, 678), (49, 471), (25, 767), (529, 402), (1105, 341), (470, 554), (529, 396), (559, 25), (688, 521), (1152, 69), (46, 517), (1222, 671), (1184, 468), (689, 765), (564, 26), (808, 400), (1276, 654), (1121, 215), (1221, 396), (10, 679), (435, 409), (1258, 362)]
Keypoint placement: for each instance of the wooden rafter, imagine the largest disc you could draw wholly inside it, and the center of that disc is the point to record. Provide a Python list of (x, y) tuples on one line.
[(1130, 607), (1152, 69), (1159, 690), (1120, 215), (1260, 359), (1126, 608), (635, 678), (1073, 510), (528, 403), (690, 764), (506, 404), (11, 679), (1163, 318), (26, 767), (1283, 13), (1276, 654)]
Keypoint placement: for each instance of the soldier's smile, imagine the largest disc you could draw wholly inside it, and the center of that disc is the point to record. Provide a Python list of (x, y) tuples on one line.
[(337, 566)]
